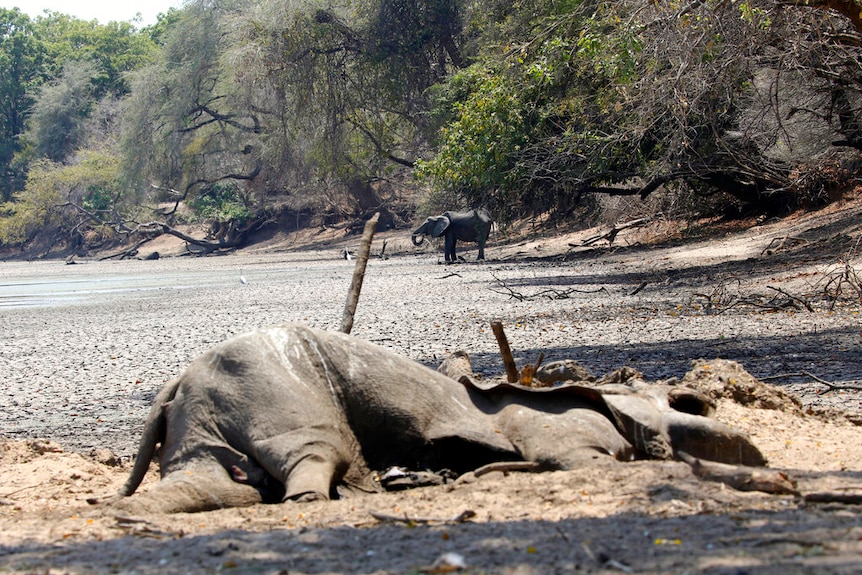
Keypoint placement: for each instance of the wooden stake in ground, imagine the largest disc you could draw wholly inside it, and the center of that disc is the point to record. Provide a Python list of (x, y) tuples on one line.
[(358, 274), (508, 360)]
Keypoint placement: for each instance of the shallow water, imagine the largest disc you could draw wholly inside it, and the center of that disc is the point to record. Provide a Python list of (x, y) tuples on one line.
[(59, 290), (52, 284)]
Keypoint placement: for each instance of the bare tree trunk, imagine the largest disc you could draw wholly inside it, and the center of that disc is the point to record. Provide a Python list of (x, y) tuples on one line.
[(358, 274)]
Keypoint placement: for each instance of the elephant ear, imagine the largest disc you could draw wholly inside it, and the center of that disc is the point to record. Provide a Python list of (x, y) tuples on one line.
[(440, 226)]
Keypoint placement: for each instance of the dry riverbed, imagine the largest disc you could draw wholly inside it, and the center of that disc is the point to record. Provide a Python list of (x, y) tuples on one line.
[(86, 347)]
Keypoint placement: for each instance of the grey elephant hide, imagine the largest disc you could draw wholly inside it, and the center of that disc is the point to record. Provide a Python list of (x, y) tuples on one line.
[(295, 413), (468, 226)]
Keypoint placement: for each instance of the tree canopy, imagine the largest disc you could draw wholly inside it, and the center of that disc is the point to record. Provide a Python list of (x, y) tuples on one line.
[(241, 110)]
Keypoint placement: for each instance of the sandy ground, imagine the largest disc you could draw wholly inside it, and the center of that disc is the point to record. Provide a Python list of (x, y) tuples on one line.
[(87, 346)]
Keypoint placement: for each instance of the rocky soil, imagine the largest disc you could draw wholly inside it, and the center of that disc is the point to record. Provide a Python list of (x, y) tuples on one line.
[(87, 346)]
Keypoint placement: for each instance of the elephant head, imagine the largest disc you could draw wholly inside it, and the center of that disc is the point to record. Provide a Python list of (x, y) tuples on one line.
[(435, 226)]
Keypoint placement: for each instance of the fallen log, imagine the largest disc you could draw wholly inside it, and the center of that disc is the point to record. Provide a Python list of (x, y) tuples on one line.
[(741, 477)]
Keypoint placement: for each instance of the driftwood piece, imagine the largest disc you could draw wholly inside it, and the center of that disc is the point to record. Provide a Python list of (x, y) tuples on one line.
[(741, 477), (611, 235), (465, 515), (512, 375), (778, 244), (358, 274), (128, 252)]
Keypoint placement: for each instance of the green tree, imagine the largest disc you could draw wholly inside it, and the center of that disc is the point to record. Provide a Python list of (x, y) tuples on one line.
[(115, 48), (183, 127), (61, 109), (66, 201), (21, 61), (630, 97)]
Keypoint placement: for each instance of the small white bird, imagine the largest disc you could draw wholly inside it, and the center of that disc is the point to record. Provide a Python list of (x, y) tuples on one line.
[(242, 279)]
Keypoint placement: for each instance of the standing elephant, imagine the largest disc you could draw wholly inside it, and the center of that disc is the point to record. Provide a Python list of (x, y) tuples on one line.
[(295, 413), (469, 226)]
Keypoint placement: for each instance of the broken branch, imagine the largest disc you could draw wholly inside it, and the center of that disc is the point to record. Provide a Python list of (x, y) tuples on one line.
[(460, 518), (358, 274), (611, 235), (505, 351), (550, 293)]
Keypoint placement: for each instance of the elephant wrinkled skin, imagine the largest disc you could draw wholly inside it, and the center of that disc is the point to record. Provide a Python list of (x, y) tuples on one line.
[(469, 226), (296, 413)]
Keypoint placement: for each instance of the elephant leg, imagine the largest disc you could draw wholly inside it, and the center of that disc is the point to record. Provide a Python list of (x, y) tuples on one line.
[(450, 248), (311, 479), (308, 461), (196, 488)]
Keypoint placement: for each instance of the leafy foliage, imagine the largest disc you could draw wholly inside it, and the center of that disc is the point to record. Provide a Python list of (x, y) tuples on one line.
[(53, 71), (21, 61), (222, 202), (64, 199), (337, 108), (57, 117), (624, 98)]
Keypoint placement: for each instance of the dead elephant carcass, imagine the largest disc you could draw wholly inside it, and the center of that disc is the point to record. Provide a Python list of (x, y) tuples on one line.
[(298, 413)]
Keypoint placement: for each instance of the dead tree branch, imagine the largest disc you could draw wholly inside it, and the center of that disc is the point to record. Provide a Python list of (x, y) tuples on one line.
[(358, 274), (839, 281), (792, 298), (720, 300), (505, 351), (129, 252), (611, 235), (786, 242), (550, 293)]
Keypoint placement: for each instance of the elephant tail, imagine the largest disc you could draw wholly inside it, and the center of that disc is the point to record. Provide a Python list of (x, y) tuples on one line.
[(154, 433)]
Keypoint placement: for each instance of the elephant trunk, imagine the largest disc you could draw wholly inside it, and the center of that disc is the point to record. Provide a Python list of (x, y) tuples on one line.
[(419, 241)]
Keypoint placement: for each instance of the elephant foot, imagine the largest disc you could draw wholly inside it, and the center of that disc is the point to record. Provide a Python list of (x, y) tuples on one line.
[(190, 491), (308, 497)]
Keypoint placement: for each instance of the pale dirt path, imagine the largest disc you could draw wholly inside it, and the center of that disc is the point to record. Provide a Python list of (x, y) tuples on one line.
[(82, 373)]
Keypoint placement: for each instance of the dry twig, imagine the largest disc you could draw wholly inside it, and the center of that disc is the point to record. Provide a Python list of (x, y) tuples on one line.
[(550, 293), (793, 298), (841, 280), (721, 300), (854, 384)]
